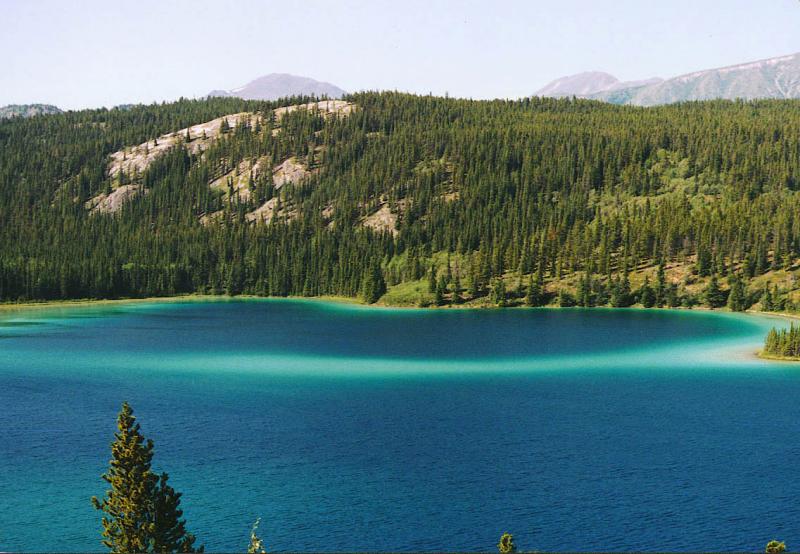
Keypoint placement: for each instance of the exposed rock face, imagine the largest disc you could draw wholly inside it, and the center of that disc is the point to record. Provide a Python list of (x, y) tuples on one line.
[(133, 161), (113, 202), (325, 107), (281, 85), (137, 158), (382, 220), (290, 171)]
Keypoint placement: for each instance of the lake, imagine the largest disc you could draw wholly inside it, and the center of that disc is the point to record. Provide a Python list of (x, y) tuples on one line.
[(353, 428)]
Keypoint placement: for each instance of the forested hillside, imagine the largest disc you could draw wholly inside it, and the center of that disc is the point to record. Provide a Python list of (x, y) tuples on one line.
[(437, 200)]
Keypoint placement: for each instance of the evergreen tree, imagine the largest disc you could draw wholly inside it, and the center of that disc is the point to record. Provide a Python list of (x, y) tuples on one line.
[(506, 544), (661, 286), (713, 295), (141, 511), (432, 279), (646, 295), (128, 505), (738, 296), (565, 299), (621, 292), (169, 530), (499, 292), (767, 301), (374, 285), (533, 295)]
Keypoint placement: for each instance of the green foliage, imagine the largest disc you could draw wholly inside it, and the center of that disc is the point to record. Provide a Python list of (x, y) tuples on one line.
[(713, 295), (141, 512), (565, 299), (646, 295), (374, 285), (737, 299), (506, 544), (784, 343), (562, 188), (775, 547), (499, 292)]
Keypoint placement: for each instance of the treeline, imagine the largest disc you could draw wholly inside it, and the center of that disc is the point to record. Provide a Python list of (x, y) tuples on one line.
[(783, 343), (526, 193)]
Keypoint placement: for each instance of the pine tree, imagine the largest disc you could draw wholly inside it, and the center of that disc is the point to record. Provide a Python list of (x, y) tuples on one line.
[(646, 295), (457, 289), (506, 544), (714, 296), (499, 292), (128, 505), (374, 285), (141, 511), (767, 301), (432, 279), (661, 286), (533, 296), (169, 530), (738, 295)]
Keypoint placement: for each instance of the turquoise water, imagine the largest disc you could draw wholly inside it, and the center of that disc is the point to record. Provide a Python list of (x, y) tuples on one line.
[(350, 428)]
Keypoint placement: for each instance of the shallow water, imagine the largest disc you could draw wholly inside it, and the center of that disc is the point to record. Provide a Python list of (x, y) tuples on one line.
[(349, 428)]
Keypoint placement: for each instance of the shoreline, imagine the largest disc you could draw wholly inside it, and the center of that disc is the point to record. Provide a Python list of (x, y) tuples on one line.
[(10, 307), (353, 301)]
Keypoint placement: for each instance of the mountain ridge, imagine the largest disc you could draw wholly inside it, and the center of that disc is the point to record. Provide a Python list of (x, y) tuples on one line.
[(776, 77), (27, 110), (281, 85)]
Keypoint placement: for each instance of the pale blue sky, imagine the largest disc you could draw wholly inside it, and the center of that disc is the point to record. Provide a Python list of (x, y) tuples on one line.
[(90, 53)]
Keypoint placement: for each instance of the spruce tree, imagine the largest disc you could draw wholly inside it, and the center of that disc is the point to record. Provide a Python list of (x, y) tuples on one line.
[(141, 511), (128, 505), (714, 296), (737, 297), (646, 295), (374, 285), (169, 530)]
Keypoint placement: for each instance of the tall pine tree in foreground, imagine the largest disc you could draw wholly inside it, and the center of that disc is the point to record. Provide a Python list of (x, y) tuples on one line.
[(141, 511)]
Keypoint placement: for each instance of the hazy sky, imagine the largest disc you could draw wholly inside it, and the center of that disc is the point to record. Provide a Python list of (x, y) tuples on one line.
[(92, 53)]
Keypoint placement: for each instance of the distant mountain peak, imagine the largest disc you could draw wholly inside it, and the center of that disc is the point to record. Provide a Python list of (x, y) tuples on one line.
[(280, 85), (777, 77), (579, 84)]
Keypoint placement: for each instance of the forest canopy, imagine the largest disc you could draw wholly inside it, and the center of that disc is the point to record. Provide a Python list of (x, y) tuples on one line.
[(439, 200)]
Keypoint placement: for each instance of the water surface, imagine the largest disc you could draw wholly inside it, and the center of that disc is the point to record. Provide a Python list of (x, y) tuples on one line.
[(349, 428)]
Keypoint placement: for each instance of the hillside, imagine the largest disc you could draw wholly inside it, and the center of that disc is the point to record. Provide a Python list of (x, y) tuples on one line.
[(425, 199), (281, 85), (770, 78), (27, 110)]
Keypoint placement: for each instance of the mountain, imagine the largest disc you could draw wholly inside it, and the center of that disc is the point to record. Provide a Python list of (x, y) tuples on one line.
[(27, 110), (589, 83), (581, 84), (281, 85), (770, 78)]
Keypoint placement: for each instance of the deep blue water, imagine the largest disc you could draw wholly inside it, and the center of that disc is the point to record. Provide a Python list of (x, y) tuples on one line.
[(347, 428)]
